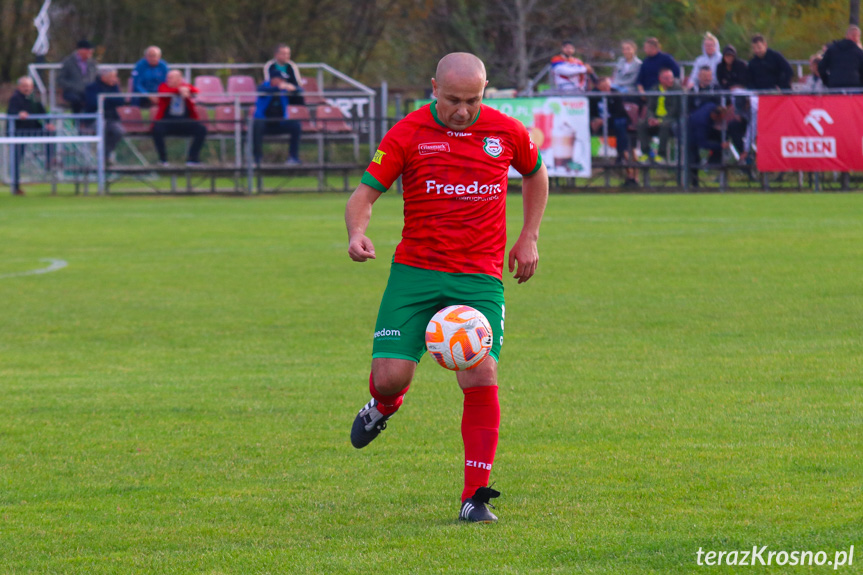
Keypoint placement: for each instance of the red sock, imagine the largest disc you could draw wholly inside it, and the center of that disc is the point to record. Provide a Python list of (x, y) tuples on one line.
[(480, 423), (387, 404)]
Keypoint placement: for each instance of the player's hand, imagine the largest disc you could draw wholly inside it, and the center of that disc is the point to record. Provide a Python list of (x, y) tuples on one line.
[(360, 248), (525, 254)]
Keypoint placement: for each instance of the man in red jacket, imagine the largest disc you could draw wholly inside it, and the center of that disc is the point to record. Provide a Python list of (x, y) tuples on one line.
[(177, 115)]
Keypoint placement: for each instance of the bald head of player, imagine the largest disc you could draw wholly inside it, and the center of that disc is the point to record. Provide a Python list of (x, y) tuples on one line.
[(458, 86)]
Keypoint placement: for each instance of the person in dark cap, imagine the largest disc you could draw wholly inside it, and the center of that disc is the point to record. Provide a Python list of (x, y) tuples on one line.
[(732, 71), (78, 69)]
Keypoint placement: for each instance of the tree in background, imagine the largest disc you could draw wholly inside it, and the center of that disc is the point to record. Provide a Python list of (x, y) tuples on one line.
[(401, 40)]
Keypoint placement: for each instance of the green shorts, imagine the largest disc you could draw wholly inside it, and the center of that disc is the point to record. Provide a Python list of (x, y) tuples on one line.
[(414, 295)]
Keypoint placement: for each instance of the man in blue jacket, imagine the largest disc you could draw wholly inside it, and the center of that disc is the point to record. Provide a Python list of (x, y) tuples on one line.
[(271, 117), (654, 61), (149, 73)]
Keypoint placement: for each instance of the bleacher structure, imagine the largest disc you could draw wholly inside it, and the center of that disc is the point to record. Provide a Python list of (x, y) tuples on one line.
[(338, 135)]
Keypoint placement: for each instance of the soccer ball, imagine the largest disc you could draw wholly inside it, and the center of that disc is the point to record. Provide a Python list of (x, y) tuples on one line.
[(459, 337)]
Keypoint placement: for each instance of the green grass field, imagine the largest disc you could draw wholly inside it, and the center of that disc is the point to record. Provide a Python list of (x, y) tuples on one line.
[(684, 372)]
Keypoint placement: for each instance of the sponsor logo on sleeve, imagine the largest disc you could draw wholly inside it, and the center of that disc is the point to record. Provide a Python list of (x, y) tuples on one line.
[(379, 157), (433, 148), (492, 146)]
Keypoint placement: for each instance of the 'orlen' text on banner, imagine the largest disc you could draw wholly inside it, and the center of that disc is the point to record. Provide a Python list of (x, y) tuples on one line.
[(810, 133)]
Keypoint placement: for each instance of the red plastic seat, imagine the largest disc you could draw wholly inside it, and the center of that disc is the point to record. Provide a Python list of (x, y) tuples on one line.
[(225, 120), (132, 120), (245, 85), (304, 116), (331, 120), (312, 92), (210, 90)]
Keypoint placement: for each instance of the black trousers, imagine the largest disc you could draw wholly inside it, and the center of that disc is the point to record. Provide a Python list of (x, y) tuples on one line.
[(189, 128), (275, 127)]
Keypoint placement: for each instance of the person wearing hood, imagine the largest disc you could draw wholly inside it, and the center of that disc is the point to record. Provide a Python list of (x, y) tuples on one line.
[(842, 64), (732, 71), (709, 57)]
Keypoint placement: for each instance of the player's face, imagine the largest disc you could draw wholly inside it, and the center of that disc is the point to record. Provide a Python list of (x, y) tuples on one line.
[(458, 100)]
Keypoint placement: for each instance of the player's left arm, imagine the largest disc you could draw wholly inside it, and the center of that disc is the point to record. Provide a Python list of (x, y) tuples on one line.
[(524, 252)]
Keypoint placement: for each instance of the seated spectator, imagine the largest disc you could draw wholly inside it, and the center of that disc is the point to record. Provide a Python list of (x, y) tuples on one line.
[(149, 73), (77, 70), (705, 134), (570, 74), (812, 82), (282, 66), (842, 63), (662, 114), (709, 57), (107, 83), (23, 104), (704, 90), (627, 68), (611, 113), (271, 117), (768, 69), (654, 61), (732, 72), (177, 115)]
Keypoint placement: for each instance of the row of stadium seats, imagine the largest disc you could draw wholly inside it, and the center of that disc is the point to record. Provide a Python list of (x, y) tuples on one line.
[(213, 93), (325, 119)]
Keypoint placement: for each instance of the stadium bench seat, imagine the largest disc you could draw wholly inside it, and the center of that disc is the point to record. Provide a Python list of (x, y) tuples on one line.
[(239, 84), (304, 116), (312, 92), (132, 120), (331, 120), (210, 90)]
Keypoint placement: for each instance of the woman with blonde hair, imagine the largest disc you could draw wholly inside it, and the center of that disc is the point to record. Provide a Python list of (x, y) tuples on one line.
[(709, 57)]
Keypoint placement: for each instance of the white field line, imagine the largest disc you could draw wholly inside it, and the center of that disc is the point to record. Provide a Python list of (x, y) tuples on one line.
[(53, 266)]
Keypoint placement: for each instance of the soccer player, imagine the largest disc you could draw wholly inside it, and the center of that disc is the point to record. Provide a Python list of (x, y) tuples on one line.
[(453, 155)]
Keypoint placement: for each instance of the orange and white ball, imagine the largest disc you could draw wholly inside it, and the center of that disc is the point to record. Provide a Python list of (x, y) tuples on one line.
[(459, 337)]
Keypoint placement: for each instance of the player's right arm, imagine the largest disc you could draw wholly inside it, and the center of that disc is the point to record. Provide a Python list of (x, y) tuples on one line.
[(358, 213)]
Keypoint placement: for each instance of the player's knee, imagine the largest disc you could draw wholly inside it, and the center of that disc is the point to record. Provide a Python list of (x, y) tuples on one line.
[(483, 374), (390, 375)]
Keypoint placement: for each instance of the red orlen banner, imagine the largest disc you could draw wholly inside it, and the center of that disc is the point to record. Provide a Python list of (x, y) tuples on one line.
[(810, 133)]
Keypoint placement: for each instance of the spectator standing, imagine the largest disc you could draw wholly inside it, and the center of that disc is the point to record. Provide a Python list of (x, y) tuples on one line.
[(610, 112), (709, 57), (768, 69), (107, 83), (627, 68), (282, 66), (732, 72), (812, 82), (177, 115), (570, 74), (654, 61), (842, 63), (662, 113), (271, 117), (149, 73), (77, 70), (23, 104)]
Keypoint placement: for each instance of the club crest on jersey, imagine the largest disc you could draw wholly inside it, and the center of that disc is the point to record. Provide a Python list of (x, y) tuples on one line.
[(492, 146)]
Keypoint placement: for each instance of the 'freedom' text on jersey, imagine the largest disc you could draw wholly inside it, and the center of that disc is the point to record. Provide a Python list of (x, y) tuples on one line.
[(454, 187)]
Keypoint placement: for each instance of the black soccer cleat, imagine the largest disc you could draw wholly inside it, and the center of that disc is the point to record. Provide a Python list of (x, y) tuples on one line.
[(368, 424), (474, 508)]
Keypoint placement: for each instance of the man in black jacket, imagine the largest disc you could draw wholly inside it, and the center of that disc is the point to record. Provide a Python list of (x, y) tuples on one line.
[(842, 64), (768, 69), (106, 83), (732, 72), (23, 104)]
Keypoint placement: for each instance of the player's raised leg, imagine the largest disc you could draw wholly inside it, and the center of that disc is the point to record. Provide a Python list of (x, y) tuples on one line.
[(389, 381), (480, 425)]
